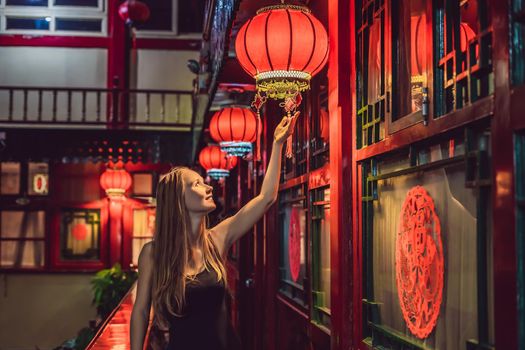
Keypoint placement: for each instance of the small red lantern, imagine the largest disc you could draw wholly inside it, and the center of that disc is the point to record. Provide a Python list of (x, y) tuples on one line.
[(235, 128), (216, 162), (134, 11), (282, 47), (115, 181)]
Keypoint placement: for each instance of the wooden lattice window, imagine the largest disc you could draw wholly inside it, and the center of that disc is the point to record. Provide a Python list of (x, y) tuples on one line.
[(463, 50), (80, 234), (454, 177), (370, 67)]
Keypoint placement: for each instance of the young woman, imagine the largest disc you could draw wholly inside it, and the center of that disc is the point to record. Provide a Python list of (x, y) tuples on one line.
[(181, 272)]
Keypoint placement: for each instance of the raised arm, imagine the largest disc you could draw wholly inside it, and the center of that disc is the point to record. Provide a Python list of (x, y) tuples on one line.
[(140, 315), (233, 228)]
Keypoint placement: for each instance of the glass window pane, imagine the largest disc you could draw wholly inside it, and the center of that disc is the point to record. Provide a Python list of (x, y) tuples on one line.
[(80, 234), (409, 55), (17, 254), (39, 23), (38, 179), (190, 16), (293, 244), (398, 280), (144, 222), (321, 255), (79, 25), (142, 184), (23, 224), (26, 2), (86, 3), (161, 15), (10, 177)]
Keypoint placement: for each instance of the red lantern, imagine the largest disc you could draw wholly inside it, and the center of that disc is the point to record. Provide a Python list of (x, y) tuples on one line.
[(282, 47), (235, 128), (216, 162), (133, 11), (115, 181)]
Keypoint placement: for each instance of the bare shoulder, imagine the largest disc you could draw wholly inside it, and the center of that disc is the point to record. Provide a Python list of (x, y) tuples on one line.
[(146, 254)]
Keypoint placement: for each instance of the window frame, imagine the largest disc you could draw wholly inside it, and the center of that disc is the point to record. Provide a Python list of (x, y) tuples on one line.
[(53, 11)]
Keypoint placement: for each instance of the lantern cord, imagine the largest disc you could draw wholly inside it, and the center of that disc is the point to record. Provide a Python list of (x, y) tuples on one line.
[(258, 146)]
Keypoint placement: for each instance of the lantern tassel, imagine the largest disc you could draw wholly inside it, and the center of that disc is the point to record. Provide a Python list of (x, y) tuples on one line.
[(258, 146), (289, 152)]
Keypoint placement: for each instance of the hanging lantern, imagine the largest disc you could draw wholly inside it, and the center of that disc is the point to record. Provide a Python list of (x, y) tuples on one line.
[(132, 11), (115, 182), (282, 47), (216, 162), (235, 128)]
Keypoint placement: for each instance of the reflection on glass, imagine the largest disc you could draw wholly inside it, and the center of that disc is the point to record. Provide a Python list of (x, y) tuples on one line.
[(410, 54)]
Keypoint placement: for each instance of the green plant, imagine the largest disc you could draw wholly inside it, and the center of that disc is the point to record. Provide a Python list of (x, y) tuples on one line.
[(109, 287)]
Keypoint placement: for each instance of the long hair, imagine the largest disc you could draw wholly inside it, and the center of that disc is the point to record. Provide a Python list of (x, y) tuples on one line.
[(171, 246)]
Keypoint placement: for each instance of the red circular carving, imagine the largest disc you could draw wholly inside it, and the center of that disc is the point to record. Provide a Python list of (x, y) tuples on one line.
[(419, 262), (79, 232), (294, 244)]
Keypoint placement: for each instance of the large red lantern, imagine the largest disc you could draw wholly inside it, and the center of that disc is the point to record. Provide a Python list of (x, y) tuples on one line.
[(282, 47), (134, 11), (216, 162), (115, 182), (235, 128)]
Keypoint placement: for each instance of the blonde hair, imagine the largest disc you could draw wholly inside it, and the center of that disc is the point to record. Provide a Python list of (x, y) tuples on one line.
[(171, 248)]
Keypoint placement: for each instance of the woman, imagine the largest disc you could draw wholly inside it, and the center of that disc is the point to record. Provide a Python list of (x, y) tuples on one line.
[(181, 272)]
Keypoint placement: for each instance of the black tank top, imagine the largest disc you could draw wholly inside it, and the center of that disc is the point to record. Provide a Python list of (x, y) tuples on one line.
[(205, 323)]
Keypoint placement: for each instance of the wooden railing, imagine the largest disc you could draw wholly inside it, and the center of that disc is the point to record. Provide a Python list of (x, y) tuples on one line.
[(112, 108)]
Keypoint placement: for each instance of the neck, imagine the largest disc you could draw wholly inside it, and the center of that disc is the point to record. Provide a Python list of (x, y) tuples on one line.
[(196, 221)]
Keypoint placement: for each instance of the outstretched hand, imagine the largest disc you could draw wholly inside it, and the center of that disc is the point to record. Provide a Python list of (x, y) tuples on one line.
[(285, 128)]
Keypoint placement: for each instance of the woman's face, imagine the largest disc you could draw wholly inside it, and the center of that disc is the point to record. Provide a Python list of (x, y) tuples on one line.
[(197, 194)]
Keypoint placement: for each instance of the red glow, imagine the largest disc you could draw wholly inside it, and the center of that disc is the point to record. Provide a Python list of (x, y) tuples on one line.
[(79, 232), (419, 262), (282, 39)]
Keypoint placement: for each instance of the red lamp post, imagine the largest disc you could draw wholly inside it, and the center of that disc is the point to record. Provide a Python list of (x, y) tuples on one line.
[(115, 182)]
